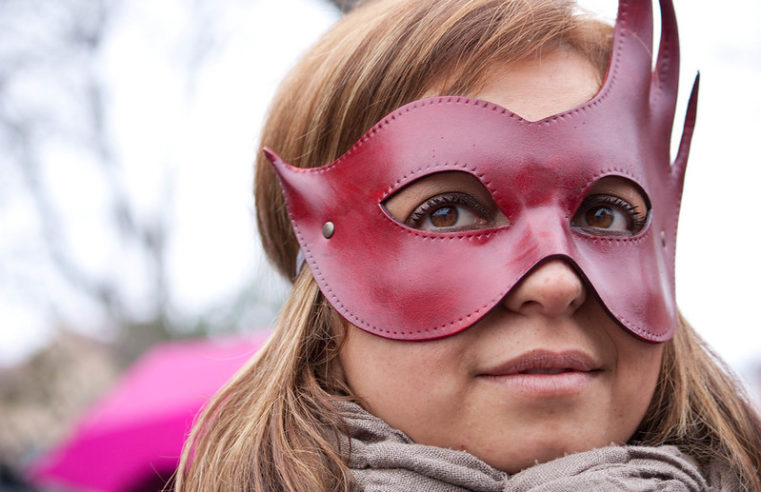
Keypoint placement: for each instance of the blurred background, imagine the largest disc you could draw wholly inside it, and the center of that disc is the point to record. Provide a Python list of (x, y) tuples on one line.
[(127, 135)]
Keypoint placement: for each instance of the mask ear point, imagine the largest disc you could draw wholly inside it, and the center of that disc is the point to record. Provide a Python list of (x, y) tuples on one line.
[(281, 168), (680, 163), (272, 157)]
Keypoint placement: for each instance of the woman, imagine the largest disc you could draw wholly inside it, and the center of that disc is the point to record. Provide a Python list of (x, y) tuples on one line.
[(483, 284)]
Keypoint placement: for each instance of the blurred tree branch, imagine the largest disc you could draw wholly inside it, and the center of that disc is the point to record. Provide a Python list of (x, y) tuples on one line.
[(76, 36), (51, 90), (74, 31)]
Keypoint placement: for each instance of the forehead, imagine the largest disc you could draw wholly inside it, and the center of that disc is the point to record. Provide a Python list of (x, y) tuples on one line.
[(543, 85)]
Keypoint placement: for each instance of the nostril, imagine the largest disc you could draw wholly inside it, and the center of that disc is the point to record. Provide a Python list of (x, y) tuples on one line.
[(552, 289), (529, 307)]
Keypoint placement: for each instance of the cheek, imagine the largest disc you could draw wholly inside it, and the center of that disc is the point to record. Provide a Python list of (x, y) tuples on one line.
[(403, 383), (637, 370)]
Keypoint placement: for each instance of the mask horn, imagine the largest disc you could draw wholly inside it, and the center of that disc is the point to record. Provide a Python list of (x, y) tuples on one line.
[(630, 71), (304, 189), (665, 83), (680, 163), (287, 175), (278, 164)]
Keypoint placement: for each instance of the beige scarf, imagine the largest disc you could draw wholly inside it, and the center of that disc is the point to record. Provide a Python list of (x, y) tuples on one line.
[(384, 459)]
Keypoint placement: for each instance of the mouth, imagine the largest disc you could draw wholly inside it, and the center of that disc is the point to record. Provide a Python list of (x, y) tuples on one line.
[(547, 371), (545, 362), (544, 373)]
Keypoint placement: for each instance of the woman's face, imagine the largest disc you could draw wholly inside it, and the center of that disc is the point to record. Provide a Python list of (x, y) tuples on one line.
[(547, 371)]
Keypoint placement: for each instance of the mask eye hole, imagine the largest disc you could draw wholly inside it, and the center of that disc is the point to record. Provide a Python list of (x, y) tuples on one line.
[(614, 206), (449, 201)]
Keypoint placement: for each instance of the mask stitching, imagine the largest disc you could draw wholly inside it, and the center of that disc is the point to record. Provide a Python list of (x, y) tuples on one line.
[(394, 187), (612, 239), (634, 327)]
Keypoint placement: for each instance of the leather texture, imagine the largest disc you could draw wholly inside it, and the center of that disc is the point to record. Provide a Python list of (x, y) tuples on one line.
[(406, 284)]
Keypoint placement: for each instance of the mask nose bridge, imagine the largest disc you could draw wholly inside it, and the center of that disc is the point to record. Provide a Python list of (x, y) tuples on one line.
[(544, 233), (549, 228)]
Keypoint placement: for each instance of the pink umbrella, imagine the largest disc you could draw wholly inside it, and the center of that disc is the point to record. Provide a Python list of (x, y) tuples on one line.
[(134, 435)]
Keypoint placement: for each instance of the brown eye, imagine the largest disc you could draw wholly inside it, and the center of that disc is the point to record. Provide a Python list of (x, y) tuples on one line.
[(608, 215), (444, 217), (445, 202), (450, 212), (601, 217)]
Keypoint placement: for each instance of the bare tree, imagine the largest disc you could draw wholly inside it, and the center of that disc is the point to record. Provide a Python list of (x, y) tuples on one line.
[(62, 39), (53, 94)]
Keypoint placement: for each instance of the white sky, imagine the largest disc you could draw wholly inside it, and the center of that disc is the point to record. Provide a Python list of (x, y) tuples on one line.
[(204, 136)]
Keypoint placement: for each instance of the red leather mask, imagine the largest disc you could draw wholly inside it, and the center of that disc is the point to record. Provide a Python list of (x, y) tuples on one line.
[(406, 284)]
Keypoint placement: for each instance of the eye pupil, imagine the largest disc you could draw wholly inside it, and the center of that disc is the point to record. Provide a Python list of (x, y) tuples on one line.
[(601, 217), (444, 217)]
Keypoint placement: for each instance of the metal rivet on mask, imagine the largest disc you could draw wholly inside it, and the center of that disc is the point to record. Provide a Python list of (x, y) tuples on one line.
[(328, 229), (663, 238)]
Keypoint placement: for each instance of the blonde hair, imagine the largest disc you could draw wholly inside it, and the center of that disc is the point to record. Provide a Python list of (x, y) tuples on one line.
[(274, 427)]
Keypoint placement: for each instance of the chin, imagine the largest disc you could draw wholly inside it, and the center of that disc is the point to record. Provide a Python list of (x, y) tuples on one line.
[(525, 455)]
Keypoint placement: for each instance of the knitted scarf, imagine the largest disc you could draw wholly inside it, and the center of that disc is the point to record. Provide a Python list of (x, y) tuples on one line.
[(385, 459)]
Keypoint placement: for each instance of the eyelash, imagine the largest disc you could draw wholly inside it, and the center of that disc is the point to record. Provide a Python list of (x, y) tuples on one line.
[(638, 218), (463, 199)]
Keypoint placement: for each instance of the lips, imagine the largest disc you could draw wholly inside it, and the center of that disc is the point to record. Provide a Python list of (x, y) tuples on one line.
[(544, 374), (541, 362)]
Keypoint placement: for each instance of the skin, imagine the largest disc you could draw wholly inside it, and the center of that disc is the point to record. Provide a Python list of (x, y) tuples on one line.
[(448, 393)]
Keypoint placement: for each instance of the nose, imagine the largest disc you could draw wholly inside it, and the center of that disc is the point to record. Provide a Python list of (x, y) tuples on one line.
[(553, 289)]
